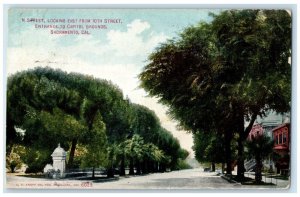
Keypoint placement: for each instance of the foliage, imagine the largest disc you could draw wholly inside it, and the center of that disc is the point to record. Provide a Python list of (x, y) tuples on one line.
[(53, 107), (96, 155), (145, 123), (134, 147), (35, 159), (79, 155), (216, 75), (13, 159), (201, 141), (209, 147), (260, 147), (215, 150), (182, 165), (113, 155)]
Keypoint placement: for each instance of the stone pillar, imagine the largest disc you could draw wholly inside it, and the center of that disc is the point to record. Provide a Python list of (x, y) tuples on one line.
[(59, 160)]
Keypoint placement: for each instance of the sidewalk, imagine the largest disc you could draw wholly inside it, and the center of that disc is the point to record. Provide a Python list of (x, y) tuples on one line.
[(269, 180)]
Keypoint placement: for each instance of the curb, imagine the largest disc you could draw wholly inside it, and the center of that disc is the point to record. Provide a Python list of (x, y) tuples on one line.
[(106, 180), (229, 179)]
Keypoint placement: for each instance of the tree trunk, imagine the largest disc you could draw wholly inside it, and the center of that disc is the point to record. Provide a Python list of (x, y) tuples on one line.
[(12, 168), (162, 167), (213, 166), (258, 169), (111, 172), (243, 134), (228, 137), (154, 167), (131, 167), (122, 167), (144, 167), (151, 166), (93, 174), (138, 168), (223, 168), (240, 159), (72, 152)]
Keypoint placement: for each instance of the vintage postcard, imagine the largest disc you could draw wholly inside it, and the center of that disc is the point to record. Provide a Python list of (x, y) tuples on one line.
[(148, 98)]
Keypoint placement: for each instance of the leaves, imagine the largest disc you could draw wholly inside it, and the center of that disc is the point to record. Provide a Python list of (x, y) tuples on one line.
[(72, 109), (13, 159), (216, 75), (261, 146)]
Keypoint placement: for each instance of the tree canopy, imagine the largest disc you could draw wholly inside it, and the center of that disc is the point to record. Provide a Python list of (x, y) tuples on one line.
[(84, 114), (216, 76)]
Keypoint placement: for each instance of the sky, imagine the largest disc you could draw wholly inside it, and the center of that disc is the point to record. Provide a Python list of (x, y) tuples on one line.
[(117, 52)]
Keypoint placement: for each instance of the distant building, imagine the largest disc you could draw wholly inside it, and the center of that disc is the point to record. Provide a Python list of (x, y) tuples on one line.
[(256, 130), (277, 127), (282, 148), (271, 121)]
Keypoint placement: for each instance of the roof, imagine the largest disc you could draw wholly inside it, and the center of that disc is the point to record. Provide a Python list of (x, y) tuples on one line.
[(59, 152), (281, 126)]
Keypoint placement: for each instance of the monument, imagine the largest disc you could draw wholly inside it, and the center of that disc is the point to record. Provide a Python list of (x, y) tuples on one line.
[(57, 170)]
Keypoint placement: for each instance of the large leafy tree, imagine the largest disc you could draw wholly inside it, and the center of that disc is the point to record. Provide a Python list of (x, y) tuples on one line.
[(209, 147), (171, 148), (44, 109), (99, 95), (52, 106), (146, 124), (97, 146), (113, 153), (218, 75), (134, 151), (255, 47), (181, 73), (151, 155)]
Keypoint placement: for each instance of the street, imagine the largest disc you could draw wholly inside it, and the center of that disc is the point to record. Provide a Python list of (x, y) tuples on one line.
[(184, 179)]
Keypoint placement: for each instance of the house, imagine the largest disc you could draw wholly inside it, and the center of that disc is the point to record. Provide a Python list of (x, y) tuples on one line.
[(276, 126), (256, 130), (281, 135)]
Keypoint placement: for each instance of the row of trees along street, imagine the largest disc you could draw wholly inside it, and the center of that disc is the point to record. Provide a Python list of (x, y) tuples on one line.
[(90, 118), (216, 77)]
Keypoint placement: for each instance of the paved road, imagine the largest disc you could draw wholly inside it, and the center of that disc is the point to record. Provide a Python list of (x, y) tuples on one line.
[(184, 179)]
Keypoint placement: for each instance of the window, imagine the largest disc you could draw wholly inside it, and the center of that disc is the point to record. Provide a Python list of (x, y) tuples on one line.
[(284, 137), (280, 138), (276, 139)]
